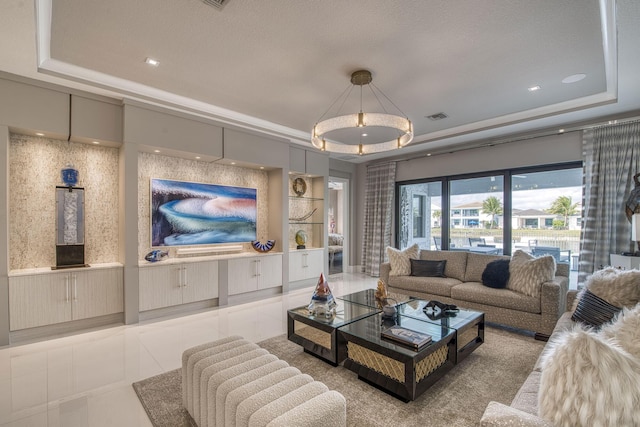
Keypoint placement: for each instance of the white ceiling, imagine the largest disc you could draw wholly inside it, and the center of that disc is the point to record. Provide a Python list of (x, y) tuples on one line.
[(277, 65)]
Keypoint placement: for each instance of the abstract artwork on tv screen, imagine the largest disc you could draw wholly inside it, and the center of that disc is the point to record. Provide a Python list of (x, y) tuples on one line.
[(190, 213)]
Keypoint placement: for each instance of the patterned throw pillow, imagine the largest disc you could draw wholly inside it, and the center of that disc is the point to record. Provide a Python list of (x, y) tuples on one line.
[(605, 293), (399, 260), (527, 273)]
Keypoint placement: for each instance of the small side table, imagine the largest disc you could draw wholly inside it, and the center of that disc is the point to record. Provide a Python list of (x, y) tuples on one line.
[(625, 262)]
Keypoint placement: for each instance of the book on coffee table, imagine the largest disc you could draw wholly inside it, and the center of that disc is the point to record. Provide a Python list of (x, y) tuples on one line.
[(406, 336)]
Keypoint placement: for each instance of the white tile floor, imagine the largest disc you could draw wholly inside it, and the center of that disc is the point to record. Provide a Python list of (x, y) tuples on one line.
[(85, 380)]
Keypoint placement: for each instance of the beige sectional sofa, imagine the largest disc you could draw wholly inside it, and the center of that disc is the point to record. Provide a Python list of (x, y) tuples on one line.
[(463, 286)]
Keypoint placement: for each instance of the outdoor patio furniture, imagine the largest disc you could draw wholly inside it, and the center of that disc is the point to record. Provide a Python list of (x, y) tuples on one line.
[(561, 256), (477, 240)]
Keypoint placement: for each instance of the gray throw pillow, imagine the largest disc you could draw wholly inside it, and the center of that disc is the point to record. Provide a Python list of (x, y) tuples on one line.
[(423, 268)]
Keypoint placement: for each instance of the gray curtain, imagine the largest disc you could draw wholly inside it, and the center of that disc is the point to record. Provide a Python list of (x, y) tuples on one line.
[(612, 158), (378, 213)]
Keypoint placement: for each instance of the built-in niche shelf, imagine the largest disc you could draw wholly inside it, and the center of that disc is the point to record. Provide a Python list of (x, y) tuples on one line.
[(306, 210)]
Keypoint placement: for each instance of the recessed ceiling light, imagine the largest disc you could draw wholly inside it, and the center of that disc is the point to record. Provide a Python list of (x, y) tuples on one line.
[(96, 142), (428, 154), (261, 167), (39, 134), (574, 78), (197, 157), (233, 163), (365, 134), (533, 88), (152, 62), (156, 151), (560, 130)]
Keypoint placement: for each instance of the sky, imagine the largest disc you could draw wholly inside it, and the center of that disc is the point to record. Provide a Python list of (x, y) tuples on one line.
[(524, 199)]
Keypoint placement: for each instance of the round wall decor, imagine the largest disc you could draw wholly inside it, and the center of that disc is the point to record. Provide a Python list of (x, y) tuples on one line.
[(299, 186)]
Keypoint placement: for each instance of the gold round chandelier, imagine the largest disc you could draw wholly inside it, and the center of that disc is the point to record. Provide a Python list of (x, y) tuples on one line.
[(399, 126)]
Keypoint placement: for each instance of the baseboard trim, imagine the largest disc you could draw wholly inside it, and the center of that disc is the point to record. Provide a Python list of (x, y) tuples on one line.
[(59, 330), (179, 310)]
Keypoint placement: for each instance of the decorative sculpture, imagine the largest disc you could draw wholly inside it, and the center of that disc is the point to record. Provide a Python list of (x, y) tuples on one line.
[(633, 201), (301, 239), (381, 294), (263, 247), (322, 301), (156, 255)]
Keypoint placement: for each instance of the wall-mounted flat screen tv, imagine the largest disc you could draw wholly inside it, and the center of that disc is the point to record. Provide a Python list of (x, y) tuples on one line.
[(191, 213)]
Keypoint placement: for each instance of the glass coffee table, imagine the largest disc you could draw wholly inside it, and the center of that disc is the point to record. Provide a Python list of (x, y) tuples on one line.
[(354, 336), (469, 325), (397, 368), (318, 334)]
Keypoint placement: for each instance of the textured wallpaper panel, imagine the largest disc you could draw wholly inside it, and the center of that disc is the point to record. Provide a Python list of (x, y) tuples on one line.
[(34, 172), (163, 167)]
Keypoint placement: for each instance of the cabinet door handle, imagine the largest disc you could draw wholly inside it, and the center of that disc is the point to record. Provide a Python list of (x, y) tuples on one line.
[(305, 263), (179, 277), (259, 269), (184, 283), (75, 287), (66, 280)]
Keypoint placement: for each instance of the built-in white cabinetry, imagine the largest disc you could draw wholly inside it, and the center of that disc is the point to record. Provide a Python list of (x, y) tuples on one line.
[(306, 264), (625, 262), (61, 296), (254, 273), (177, 283)]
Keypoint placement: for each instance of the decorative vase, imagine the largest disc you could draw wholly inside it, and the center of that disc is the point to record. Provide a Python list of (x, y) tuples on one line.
[(69, 175)]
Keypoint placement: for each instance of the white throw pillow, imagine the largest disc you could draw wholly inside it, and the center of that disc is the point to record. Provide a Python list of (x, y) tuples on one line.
[(399, 260), (625, 330), (588, 380), (527, 273), (617, 287)]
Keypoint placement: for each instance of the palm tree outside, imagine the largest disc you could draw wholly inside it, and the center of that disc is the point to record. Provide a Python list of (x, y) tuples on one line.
[(492, 206), (564, 207)]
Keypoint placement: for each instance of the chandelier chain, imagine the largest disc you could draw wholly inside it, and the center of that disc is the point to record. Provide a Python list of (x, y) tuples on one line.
[(349, 88), (387, 98)]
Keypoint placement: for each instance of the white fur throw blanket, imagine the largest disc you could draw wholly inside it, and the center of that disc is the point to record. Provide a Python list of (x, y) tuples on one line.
[(593, 379)]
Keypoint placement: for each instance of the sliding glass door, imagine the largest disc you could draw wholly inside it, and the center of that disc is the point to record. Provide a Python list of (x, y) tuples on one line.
[(476, 212), (547, 213), (419, 213)]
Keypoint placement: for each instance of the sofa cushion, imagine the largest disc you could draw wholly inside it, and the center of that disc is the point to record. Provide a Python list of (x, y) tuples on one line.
[(496, 274), (456, 261), (505, 298), (527, 273), (432, 285), (476, 264), (527, 398), (588, 380), (399, 260), (617, 287), (426, 268)]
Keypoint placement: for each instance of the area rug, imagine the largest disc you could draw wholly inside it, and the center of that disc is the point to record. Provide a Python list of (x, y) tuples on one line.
[(494, 371)]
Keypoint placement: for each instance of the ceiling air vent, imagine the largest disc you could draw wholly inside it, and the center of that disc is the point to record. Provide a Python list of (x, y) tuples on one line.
[(216, 3), (437, 116)]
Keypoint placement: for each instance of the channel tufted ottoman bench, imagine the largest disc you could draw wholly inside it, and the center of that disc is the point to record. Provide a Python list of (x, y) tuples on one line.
[(233, 382)]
